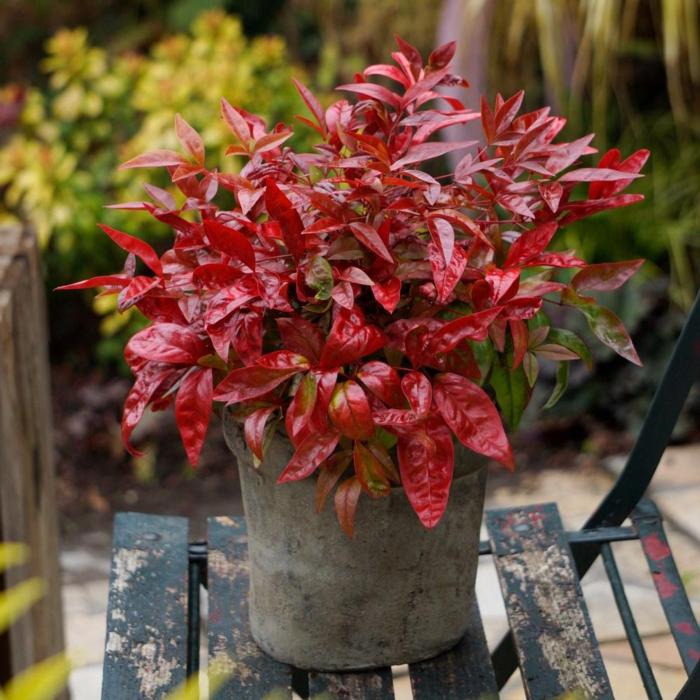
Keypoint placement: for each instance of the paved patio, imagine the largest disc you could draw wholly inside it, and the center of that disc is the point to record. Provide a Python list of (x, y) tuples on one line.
[(578, 489)]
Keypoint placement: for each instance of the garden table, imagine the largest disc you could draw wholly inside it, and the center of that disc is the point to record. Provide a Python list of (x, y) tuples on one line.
[(153, 618)]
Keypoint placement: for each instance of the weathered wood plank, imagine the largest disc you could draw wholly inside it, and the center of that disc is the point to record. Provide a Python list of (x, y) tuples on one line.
[(556, 646), (27, 487), (377, 684), (146, 650), (250, 673), (463, 673)]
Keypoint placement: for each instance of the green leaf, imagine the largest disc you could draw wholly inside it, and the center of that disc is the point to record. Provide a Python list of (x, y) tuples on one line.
[(43, 681), (606, 326), (17, 600), (560, 386), (319, 277), (512, 391), (483, 352), (12, 554), (571, 341), (531, 367)]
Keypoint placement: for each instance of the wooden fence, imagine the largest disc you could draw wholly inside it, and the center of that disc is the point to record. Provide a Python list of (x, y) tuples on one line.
[(27, 498)]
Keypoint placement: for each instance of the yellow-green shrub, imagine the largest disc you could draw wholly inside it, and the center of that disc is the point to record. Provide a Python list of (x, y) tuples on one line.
[(59, 168)]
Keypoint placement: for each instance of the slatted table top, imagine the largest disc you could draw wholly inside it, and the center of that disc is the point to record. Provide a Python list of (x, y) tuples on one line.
[(153, 620)]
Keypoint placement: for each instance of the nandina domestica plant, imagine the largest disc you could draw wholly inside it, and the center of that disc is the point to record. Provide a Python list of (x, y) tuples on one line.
[(370, 309)]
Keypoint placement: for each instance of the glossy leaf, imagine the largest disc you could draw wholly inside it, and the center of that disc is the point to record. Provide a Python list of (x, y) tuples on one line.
[(302, 407), (254, 430), (136, 246), (350, 412), (346, 497), (560, 386), (193, 410), (308, 455), (168, 342), (280, 209), (383, 381), (472, 417), (604, 277), (370, 238), (350, 339), (512, 392), (329, 474), (426, 461), (370, 472), (606, 326), (230, 242)]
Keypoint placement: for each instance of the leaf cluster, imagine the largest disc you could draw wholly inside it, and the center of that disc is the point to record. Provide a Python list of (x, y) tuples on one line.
[(370, 308)]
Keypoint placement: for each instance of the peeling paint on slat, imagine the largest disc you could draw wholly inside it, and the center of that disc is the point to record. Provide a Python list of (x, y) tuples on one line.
[(250, 673), (146, 647), (556, 646)]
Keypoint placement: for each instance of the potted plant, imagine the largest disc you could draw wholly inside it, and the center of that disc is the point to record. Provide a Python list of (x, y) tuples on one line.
[(360, 319)]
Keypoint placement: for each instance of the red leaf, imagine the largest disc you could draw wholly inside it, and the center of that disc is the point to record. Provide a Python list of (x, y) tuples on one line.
[(235, 122), (280, 209), (383, 381), (442, 55), (349, 340), (190, 139), (148, 380), (426, 461), (472, 327), (254, 429), (530, 243), (168, 342), (373, 92), (301, 336), (443, 236), (488, 121), (418, 390), (283, 359), (250, 382), (446, 277), (426, 151), (100, 281), (346, 497), (193, 410), (302, 407), (350, 412), (596, 175), (308, 455), (472, 417), (138, 288), (329, 473), (369, 237), (136, 246), (271, 141), (215, 276), (230, 242), (605, 277), (154, 159), (388, 294), (312, 103), (519, 333), (370, 472)]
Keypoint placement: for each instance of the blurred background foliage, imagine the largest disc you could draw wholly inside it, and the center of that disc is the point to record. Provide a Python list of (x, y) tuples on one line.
[(86, 86)]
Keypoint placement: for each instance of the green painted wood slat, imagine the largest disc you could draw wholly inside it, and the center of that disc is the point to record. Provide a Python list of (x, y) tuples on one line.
[(250, 673), (463, 673), (556, 646), (146, 647)]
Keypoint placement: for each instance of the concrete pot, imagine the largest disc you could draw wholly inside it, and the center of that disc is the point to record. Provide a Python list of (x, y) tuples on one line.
[(394, 594)]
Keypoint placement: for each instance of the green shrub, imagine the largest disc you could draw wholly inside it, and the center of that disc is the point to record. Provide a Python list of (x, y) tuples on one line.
[(59, 169)]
